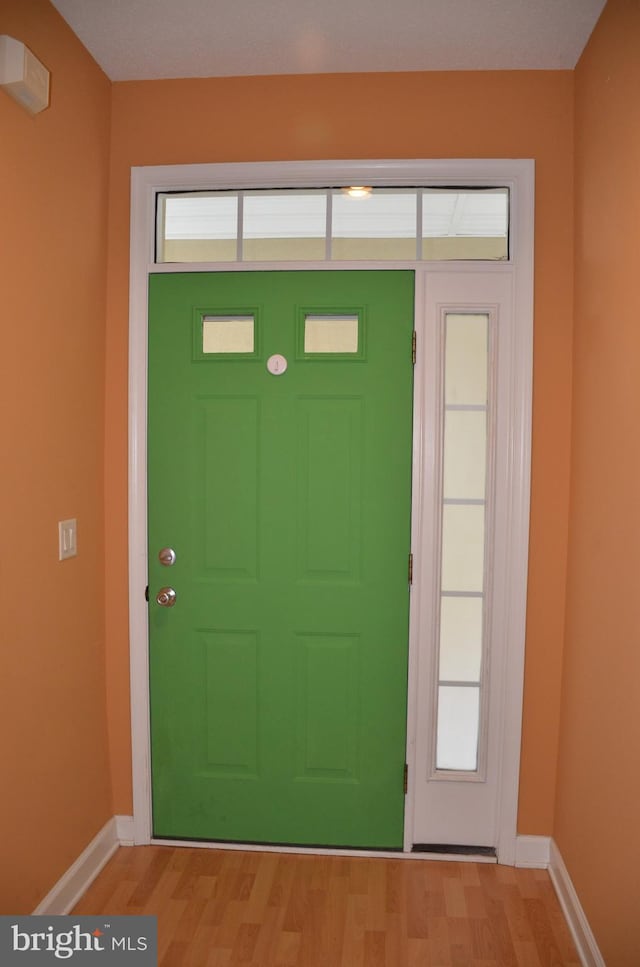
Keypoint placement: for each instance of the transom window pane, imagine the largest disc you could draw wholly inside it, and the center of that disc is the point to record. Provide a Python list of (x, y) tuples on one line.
[(199, 228), (378, 225), (465, 224), (280, 226), (317, 224)]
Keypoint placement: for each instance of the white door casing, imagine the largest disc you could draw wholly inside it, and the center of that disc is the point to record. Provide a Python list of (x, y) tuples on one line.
[(506, 290)]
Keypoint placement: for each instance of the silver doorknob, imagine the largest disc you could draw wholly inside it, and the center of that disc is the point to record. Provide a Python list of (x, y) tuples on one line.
[(166, 597)]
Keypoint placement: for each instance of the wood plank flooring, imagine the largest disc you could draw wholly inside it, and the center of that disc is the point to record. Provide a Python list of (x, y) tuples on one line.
[(218, 908)]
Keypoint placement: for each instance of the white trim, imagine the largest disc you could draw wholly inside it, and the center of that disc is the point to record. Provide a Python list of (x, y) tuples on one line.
[(142, 218), (441, 172), (62, 897), (169, 268), (575, 916), (532, 852), (125, 830), (517, 174), (516, 536)]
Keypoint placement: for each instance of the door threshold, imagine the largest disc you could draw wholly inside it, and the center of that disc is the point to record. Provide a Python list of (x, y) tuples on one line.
[(414, 854), (484, 854)]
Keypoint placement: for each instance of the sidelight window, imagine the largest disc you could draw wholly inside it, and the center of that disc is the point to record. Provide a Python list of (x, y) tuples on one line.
[(465, 429)]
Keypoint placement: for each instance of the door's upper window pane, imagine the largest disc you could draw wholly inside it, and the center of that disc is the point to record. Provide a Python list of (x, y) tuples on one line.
[(331, 334), (227, 334)]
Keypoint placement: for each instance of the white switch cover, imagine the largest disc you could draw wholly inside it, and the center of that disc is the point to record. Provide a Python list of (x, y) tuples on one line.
[(67, 539)]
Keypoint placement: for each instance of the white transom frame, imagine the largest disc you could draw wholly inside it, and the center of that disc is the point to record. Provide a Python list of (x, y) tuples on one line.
[(513, 529)]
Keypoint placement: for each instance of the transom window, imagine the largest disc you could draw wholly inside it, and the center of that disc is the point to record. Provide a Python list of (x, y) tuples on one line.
[(333, 224)]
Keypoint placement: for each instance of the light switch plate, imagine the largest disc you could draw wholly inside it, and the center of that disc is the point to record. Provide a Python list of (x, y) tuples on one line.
[(67, 538)]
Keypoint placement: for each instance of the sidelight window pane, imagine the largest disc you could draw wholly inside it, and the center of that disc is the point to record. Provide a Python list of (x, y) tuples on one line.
[(458, 719), (465, 446), (460, 639), (466, 359), (463, 547)]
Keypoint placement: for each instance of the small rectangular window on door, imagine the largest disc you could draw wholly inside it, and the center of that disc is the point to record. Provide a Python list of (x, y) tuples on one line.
[(225, 335), (331, 334)]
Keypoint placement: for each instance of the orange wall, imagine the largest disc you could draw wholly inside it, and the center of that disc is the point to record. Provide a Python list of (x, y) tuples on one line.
[(53, 184), (492, 114), (597, 826)]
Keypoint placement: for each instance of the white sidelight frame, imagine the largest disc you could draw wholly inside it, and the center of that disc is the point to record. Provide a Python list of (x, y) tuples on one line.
[(515, 429)]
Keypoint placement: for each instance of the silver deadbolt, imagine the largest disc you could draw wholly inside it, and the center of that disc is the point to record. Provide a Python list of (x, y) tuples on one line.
[(167, 556), (166, 597)]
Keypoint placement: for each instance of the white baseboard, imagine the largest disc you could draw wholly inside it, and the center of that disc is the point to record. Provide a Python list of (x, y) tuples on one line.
[(583, 938), (72, 884), (124, 830), (533, 852)]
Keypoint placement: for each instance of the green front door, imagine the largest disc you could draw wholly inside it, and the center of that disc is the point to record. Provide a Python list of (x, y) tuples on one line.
[(279, 677)]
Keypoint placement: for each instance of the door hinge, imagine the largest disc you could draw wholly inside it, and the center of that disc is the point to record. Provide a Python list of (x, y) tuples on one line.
[(146, 593), (410, 569), (406, 778), (414, 342)]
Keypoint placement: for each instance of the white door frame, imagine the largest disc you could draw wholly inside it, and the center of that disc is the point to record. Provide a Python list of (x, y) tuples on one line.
[(518, 176)]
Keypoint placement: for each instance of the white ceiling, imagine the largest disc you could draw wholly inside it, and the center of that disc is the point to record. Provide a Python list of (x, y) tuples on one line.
[(148, 39)]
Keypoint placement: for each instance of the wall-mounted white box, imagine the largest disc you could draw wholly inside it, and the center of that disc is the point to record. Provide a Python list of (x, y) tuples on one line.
[(22, 75)]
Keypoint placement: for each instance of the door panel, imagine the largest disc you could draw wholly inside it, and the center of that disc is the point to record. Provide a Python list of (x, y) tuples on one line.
[(278, 680)]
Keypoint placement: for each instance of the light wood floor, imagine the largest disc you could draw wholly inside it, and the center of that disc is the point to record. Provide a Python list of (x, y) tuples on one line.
[(219, 908)]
